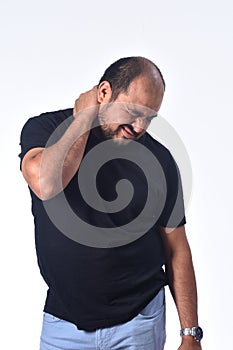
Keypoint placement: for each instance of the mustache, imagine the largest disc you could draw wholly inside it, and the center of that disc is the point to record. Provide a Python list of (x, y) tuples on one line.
[(129, 126)]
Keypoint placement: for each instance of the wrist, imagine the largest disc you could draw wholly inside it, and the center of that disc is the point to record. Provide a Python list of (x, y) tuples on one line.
[(190, 343), (192, 334), (187, 339)]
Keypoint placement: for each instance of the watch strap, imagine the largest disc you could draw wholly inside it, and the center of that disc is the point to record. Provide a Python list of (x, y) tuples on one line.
[(188, 331), (195, 332)]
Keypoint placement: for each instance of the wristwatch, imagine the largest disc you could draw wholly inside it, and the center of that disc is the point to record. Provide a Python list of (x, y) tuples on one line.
[(195, 332)]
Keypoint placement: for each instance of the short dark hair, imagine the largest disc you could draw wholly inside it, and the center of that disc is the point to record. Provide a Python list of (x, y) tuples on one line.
[(122, 72)]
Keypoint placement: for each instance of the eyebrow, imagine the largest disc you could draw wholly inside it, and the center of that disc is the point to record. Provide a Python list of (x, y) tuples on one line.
[(137, 113)]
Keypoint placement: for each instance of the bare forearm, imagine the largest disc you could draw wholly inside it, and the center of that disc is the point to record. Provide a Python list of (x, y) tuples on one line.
[(49, 170), (181, 278), (182, 284), (59, 163)]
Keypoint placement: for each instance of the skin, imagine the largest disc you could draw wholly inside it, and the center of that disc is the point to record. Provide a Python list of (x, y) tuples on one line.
[(128, 117), (182, 283), (48, 171)]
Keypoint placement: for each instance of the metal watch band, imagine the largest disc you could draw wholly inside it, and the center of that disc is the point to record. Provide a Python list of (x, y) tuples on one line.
[(195, 332), (187, 331)]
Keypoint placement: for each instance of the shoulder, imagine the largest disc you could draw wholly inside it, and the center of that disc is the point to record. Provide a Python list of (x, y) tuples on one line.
[(52, 119), (44, 129)]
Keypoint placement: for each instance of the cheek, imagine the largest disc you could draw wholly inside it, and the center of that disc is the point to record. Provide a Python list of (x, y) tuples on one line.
[(116, 115)]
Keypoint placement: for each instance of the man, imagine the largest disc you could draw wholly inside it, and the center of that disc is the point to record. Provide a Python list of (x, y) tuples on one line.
[(103, 259)]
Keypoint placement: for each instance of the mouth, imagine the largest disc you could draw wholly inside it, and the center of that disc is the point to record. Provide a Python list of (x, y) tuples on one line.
[(128, 133)]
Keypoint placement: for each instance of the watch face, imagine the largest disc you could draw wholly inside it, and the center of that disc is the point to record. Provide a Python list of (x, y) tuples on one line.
[(198, 334)]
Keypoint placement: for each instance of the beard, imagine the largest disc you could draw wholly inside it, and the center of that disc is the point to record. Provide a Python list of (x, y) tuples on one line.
[(114, 129), (109, 131)]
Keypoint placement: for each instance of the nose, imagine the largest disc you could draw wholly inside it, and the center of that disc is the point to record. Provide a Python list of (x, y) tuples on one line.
[(138, 125)]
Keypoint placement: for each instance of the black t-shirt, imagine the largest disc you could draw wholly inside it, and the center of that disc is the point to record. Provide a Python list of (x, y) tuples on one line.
[(97, 287)]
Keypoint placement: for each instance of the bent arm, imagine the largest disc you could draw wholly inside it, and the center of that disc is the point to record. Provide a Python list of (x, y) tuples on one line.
[(49, 170), (181, 278)]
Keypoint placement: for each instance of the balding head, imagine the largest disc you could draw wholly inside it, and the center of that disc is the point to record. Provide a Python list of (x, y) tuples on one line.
[(122, 72)]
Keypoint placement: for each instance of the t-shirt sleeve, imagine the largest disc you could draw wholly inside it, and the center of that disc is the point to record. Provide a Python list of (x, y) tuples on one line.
[(44, 130), (173, 214), (35, 133)]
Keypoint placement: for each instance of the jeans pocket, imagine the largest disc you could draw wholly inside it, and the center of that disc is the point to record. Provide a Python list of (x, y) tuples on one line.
[(155, 307), (153, 315), (50, 318)]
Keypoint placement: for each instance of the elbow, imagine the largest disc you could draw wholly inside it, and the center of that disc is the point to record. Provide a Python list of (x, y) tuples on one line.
[(44, 190), (41, 186)]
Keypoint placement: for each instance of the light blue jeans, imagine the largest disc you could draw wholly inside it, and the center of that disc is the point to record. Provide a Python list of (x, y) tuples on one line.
[(146, 331)]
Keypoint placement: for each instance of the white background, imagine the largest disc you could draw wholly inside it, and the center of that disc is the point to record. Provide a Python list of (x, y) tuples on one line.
[(51, 51)]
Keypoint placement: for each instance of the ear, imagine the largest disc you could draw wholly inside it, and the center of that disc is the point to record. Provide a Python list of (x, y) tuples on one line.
[(104, 92)]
